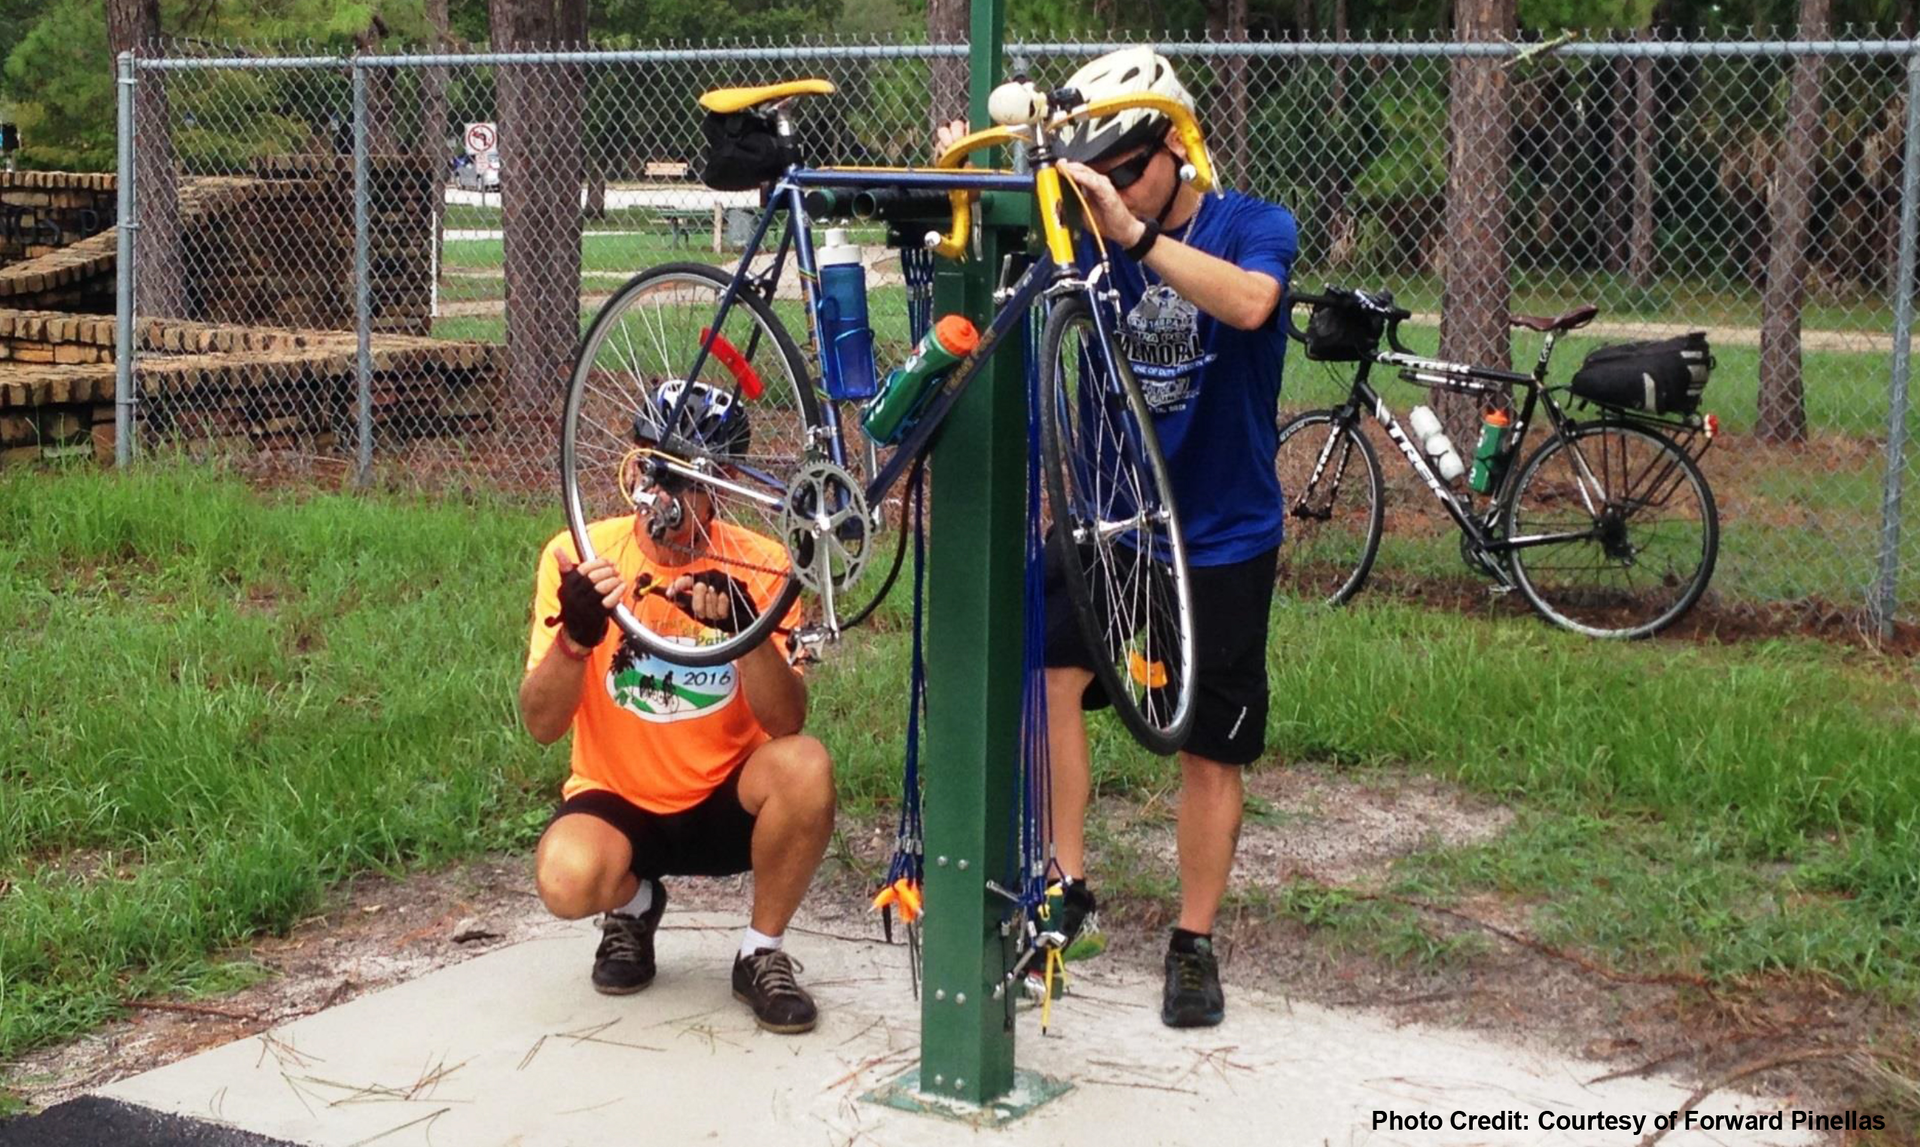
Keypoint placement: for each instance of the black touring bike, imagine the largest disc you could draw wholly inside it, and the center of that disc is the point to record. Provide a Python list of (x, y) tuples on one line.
[(1607, 527)]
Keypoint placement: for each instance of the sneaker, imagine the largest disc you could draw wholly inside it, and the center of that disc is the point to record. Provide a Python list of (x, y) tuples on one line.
[(1077, 911), (764, 982), (1193, 997), (623, 964)]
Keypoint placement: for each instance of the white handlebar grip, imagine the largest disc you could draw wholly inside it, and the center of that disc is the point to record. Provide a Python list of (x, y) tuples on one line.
[(1016, 102)]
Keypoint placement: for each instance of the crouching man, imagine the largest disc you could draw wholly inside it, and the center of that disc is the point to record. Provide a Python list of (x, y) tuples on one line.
[(677, 771)]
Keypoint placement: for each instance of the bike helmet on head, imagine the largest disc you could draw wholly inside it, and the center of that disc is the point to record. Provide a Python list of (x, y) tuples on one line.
[(713, 420), (1127, 72)]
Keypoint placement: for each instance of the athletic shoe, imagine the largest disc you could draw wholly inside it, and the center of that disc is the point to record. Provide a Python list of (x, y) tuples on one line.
[(623, 964), (1077, 912), (1193, 998), (764, 982)]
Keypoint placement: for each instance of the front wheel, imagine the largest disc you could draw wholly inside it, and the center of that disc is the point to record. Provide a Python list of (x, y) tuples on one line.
[(1331, 494), (1614, 531), (1113, 532), (658, 502)]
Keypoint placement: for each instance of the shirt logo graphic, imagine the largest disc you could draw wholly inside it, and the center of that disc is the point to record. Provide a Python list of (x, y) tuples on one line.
[(657, 690), (1162, 340)]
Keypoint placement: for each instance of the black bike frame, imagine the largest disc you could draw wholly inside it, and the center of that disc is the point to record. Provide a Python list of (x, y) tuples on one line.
[(1460, 378)]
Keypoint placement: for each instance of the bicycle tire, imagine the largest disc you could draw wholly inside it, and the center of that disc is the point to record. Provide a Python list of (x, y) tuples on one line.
[(1143, 658), (785, 417), (1651, 484), (1308, 536)]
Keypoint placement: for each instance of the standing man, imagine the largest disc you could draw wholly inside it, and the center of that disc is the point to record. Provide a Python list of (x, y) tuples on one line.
[(1200, 282), (676, 770)]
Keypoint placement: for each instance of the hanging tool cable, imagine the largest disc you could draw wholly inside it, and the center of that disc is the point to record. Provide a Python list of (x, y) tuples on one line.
[(1033, 894), (903, 886)]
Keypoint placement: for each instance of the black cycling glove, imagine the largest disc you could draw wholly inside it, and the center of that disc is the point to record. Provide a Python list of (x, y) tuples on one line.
[(741, 610)]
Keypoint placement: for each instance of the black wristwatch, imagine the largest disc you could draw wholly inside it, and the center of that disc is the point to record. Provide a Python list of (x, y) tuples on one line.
[(1149, 235)]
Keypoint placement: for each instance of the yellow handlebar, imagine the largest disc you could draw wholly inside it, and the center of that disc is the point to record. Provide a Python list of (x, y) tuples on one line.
[(953, 244)]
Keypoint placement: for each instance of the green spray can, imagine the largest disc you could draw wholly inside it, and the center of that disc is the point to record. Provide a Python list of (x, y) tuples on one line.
[(890, 413)]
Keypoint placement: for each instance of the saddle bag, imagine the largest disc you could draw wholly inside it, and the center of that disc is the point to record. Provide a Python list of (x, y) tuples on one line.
[(1662, 376), (743, 151), (1343, 333)]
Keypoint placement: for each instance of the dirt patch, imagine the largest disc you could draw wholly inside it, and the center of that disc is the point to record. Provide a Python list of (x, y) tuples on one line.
[(1310, 823), (1712, 621)]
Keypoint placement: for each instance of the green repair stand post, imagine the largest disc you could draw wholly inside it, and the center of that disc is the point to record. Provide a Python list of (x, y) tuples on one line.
[(975, 627)]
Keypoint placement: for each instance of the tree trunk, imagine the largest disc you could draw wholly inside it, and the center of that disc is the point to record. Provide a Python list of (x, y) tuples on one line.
[(1343, 169), (160, 288), (1783, 411), (1227, 23), (539, 113), (947, 81), (1613, 196), (382, 127), (431, 143), (1473, 304), (1640, 260), (1302, 19)]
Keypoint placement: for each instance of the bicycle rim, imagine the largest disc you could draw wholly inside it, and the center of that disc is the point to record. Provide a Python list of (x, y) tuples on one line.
[(1331, 493), (649, 333), (1113, 528), (1648, 531)]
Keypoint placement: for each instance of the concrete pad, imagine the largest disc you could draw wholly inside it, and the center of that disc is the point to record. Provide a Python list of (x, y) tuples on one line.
[(514, 1047)]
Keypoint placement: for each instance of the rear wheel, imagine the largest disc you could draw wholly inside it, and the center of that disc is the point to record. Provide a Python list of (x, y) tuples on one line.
[(648, 334), (1331, 492), (1114, 532), (1631, 529)]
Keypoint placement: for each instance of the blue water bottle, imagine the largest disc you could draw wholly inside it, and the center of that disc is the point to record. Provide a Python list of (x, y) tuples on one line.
[(843, 286)]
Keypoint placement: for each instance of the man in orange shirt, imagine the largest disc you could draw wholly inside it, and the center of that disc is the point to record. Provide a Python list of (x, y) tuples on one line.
[(676, 770)]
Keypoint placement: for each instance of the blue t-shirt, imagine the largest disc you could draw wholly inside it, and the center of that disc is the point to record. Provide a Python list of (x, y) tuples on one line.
[(1214, 390)]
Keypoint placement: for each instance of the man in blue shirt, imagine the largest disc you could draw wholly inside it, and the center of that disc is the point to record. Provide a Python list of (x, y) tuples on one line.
[(1200, 283)]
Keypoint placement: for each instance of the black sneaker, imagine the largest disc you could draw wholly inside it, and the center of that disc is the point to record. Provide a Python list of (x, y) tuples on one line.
[(623, 964), (1193, 997), (1077, 910), (764, 981)]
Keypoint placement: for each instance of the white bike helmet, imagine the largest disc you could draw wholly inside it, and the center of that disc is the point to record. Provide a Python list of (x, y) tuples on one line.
[(1129, 71)]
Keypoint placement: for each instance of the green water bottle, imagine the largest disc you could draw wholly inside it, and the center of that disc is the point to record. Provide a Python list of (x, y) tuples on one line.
[(889, 414), (1486, 456)]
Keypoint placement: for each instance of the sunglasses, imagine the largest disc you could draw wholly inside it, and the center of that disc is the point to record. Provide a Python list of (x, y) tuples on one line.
[(1125, 175)]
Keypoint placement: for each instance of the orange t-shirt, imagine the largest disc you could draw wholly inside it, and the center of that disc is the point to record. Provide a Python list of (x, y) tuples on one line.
[(659, 734)]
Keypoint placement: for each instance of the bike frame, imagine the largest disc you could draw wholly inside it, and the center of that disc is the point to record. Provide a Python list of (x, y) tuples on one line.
[(1465, 378)]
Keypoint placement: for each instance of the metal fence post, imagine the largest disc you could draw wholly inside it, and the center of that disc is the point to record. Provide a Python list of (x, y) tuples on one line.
[(123, 278), (1885, 597), (362, 289)]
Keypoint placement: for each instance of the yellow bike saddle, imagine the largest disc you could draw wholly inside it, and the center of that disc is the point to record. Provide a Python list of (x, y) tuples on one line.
[(727, 100)]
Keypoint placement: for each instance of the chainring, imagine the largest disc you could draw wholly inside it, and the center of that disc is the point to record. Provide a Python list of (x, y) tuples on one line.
[(826, 526)]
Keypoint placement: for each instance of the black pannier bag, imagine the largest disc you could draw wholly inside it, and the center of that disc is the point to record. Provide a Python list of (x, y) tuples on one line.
[(1663, 376), (743, 152), (1343, 333)]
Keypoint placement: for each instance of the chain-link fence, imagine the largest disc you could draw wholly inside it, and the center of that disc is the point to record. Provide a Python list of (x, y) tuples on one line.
[(381, 264)]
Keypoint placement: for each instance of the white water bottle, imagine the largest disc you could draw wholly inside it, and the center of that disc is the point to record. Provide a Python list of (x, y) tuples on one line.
[(1433, 439)]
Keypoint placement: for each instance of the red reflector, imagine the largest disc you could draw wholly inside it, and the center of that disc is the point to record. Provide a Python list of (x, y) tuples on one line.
[(1713, 426), (735, 362)]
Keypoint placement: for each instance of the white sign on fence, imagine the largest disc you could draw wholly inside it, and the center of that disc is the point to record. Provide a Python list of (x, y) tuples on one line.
[(481, 138)]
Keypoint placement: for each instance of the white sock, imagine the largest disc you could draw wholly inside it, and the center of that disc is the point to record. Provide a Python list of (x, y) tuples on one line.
[(754, 941), (642, 900)]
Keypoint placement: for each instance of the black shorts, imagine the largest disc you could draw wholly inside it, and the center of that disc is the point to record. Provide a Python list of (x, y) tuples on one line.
[(713, 838), (1231, 608)]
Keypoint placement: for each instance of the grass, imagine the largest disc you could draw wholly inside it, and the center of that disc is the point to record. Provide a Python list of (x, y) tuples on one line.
[(230, 700), (226, 703)]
